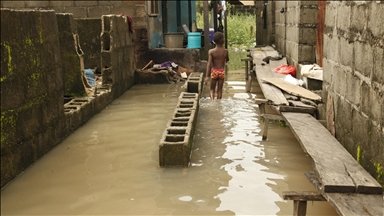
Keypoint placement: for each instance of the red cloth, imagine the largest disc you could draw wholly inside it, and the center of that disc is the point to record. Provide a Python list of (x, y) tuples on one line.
[(130, 22)]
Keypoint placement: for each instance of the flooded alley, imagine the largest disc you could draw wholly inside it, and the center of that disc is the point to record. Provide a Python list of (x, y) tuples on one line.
[(110, 165)]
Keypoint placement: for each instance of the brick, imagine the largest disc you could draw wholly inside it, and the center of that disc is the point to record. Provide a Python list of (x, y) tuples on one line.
[(327, 71), (307, 54), (343, 113), (140, 11), (331, 13), (36, 4), (378, 64), (85, 3), (307, 36), (334, 48), (338, 80), (54, 3), (13, 4), (363, 58), (343, 17), (78, 12), (359, 17), (376, 105), (346, 50), (353, 90), (308, 16), (293, 33), (127, 10), (360, 128), (96, 12), (375, 20)]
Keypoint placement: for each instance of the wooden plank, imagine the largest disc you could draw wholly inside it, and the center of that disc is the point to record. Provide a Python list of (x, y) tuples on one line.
[(303, 196), (337, 170), (270, 92), (347, 204), (292, 89), (272, 117), (300, 104), (310, 110)]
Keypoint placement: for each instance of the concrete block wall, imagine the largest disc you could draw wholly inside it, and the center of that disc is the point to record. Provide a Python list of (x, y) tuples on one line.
[(117, 55), (354, 78), (32, 113), (88, 30), (295, 30), (71, 56), (95, 9), (176, 142)]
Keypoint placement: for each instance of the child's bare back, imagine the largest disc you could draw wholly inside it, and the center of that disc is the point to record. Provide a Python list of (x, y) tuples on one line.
[(219, 57)]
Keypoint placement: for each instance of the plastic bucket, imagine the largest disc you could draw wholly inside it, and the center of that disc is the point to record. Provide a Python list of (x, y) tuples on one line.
[(173, 40), (194, 40)]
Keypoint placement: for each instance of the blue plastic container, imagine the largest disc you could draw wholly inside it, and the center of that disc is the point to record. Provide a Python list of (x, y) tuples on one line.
[(194, 40)]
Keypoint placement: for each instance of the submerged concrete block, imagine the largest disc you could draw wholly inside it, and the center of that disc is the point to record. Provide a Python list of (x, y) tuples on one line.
[(187, 104), (194, 86), (188, 96), (175, 147)]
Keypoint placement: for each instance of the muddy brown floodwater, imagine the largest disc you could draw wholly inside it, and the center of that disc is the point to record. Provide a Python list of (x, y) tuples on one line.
[(109, 166)]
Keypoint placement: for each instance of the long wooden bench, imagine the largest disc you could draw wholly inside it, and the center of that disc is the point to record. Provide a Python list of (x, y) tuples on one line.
[(337, 176)]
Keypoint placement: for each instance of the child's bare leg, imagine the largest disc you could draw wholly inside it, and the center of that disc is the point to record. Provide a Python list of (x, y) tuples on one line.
[(220, 88), (213, 87)]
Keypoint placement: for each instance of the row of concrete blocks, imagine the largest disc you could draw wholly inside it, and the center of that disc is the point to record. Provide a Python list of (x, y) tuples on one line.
[(176, 143)]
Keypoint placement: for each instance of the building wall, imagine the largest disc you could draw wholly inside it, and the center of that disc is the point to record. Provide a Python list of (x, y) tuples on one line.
[(354, 78), (95, 9), (295, 30), (353, 63), (32, 112), (40, 61)]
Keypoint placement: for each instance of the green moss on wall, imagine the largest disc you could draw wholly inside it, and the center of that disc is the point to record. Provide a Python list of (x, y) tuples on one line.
[(7, 60), (379, 173), (358, 155)]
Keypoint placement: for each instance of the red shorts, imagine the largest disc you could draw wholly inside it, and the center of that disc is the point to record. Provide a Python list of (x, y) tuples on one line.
[(217, 73)]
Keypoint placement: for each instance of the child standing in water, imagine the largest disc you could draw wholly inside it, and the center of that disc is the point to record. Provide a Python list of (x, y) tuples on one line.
[(217, 58)]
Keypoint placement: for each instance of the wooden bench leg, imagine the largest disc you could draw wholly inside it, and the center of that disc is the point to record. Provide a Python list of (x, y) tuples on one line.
[(265, 128), (300, 200), (299, 208)]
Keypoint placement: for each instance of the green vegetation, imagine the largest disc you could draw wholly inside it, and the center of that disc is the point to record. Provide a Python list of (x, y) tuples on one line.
[(241, 29), (379, 172)]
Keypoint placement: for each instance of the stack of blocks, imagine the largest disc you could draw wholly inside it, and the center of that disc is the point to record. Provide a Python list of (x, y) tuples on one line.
[(176, 143)]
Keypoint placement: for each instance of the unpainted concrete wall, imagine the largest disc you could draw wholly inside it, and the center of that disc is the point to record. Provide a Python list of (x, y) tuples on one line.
[(117, 55), (295, 30), (71, 56), (353, 66), (89, 30), (32, 113), (95, 9), (36, 47)]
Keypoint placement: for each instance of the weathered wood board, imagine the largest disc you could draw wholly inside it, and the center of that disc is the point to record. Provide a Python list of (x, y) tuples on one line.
[(292, 89), (271, 93), (337, 170), (347, 204)]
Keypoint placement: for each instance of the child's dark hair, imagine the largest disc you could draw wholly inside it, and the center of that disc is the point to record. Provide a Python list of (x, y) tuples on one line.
[(217, 37)]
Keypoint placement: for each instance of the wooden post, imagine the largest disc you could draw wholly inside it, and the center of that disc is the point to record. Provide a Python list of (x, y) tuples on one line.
[(205, 49), (299, 208)]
